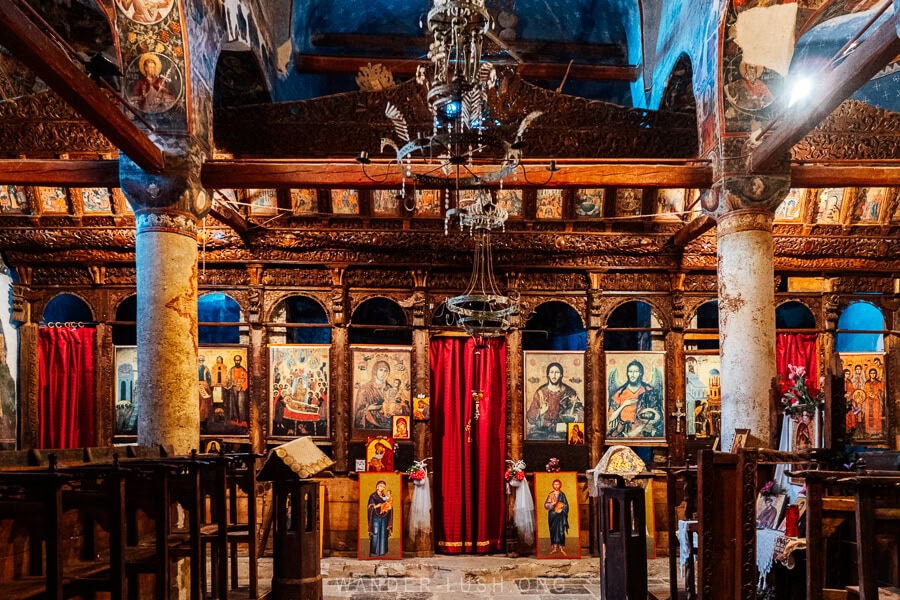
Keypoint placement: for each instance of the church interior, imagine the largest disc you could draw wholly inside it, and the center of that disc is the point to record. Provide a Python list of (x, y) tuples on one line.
[(543, 272)]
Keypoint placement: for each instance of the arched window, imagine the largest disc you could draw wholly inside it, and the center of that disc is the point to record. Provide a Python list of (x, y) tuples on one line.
[(702, 332), (306, 320), (854, 322), (633, 326), (218, 308), (379, 321), (124, 336), (794, 315), (124, 330), (702, 367), (554, 326), (67, 308)]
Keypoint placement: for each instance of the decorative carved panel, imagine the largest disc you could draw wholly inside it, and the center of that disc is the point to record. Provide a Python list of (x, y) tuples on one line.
[(858, 283), (563, 282), (300, 277), (61, 276), (121, 276), (643, 282), (701, 283), (854, 130), (222, 276), (378, 278)]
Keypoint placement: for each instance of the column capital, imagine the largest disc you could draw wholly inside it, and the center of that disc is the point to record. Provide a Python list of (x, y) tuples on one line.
[(178, 187), (742, 192), (165, 220)]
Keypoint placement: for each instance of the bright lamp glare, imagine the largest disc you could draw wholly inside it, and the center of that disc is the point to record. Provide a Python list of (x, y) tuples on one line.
[(801, 90)]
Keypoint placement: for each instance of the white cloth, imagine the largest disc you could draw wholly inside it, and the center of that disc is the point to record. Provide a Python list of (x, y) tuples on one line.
[(765, 552), (524, 513), (684, 543), (420, 509)]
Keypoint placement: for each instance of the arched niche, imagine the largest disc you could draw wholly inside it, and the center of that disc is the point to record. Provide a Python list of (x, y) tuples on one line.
[(214, 310), (379, 321), (65, 308), (855, 320), (124, 330), (554, 326), (634, 325), (305, 322), (702, 332), (794, 315)]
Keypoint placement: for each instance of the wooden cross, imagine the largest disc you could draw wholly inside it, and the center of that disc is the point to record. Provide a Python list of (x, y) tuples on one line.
[(679, 414)]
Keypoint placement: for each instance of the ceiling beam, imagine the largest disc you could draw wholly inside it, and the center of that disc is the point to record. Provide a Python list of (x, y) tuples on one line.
[(60, 172), (844, 175), (42, 55), (399, 45), (692, 230), (316, 63), (833, 86), (244, 173)]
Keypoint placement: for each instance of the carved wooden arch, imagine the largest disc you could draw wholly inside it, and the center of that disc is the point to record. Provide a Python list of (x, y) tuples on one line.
[(357, 299), (663, 313), (41, 305), (693, 304), (842, 302), (275, 299), (805, 302), (576, 303), (117, 297)]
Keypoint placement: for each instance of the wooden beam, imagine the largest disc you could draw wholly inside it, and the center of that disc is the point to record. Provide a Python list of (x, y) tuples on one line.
[(224, 174), (60, 172), (692, 230), (844, 175), (315, 63), (42, 55), (227, 215), (399, 45), (833, 86)]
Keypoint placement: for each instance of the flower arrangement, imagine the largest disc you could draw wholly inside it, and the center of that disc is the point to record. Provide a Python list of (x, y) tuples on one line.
[(515, 470), (417, 471), (768, 489), (797, 399), (553, 465)]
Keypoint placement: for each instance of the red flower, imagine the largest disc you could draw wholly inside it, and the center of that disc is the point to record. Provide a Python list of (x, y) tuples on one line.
[(520, 475)]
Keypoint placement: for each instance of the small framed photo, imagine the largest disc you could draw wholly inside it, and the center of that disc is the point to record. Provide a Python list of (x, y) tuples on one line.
[(360, 465), (768, 510), (421, 407), (400, 427), (740, 440)]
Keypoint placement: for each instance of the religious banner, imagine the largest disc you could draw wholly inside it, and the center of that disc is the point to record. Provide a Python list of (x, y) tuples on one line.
[(554, 393), (223, 384), (126, 423), (299, 385), (635, 384), (864, 389), (702, 394), (381, 386), (556, 496), (380, 516)]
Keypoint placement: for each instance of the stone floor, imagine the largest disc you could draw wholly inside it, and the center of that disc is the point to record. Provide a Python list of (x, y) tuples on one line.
[(463, 577)]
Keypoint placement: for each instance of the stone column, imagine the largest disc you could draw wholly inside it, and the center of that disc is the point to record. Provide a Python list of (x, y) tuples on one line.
[(166, 264), (746, 321)]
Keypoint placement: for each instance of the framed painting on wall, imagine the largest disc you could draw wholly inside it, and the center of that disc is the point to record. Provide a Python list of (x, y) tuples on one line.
[(223, 383), (703, 394), (830, 206), (126, 387), (589, 202), (554, 393), (791, 207), (13, 199), (304, 201), (380, 516), (670, 203), (385, 203), (52, 200), (94, 200), (380, 386), (345, 202), (263, 202), (299, 389), (511, 200), (549, 204), (635, 384), (557, 534), (864, 389)]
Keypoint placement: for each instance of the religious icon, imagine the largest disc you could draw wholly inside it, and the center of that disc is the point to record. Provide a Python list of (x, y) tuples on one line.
[(790, 207), (262, 202), (864, 390), (629, 202), (126, 387), (549, 204), (380, 454), (385, 203), (831, 202), (380, 516), (703, 394), (421, 407), (635, 396), (299, 384), (575, 435), (428, 202), (670, 203), (511, 200), (740, 440), (345, 202), (869, 204), (589, 202), (145, 12), (155, 83), (554, 393), (95, 200), (223, 383), (304, 201), (749, 92), (556, 499), (381, 387), (400, 427), (52, 199), (12, 198)]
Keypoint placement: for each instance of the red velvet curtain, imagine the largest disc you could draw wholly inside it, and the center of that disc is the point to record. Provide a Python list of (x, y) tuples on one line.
[(798, 349), (66, 402), (469, 453)]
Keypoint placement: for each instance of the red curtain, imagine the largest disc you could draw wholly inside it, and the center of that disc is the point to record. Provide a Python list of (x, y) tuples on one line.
[(66, 402), (469, 453), (798, 349)]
